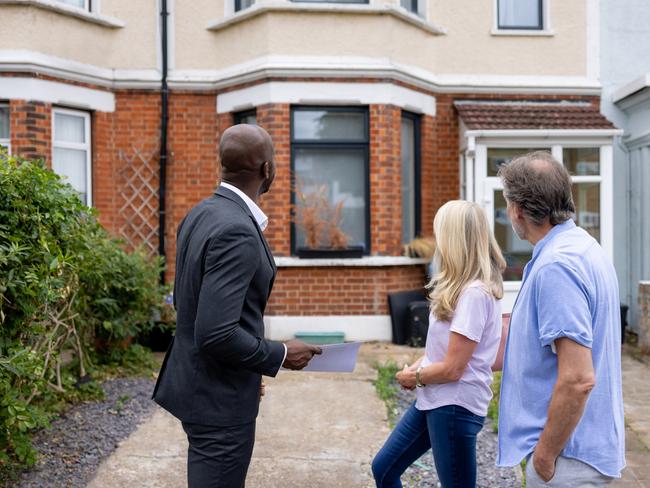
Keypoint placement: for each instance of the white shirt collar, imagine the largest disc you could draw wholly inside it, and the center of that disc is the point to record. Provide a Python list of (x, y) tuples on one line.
[(260, 217)]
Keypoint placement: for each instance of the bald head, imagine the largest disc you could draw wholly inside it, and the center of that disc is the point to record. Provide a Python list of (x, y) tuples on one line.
[(246, 154), (244, 148)]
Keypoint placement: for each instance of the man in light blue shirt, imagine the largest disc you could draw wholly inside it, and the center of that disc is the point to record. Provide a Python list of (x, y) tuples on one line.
[(561, 403)]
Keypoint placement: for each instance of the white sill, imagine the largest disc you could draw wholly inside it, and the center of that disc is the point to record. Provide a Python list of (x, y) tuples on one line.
[(522, 32), (367, 262), (61, 8), (339, 8)]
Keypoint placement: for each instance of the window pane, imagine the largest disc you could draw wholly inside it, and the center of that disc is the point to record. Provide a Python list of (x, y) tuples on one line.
[(516, 252), (408, 179), (497, 156), (247, 119), (69, 128), (72, 164), (243, 4), (520, 14), (4, 122), (586, 197), (582, 161), (340, 175), (74, 3), (312, 125), (330, 1), (410, 5)]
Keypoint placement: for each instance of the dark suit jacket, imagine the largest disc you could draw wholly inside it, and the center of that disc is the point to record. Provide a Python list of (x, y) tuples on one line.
[(224, 274)]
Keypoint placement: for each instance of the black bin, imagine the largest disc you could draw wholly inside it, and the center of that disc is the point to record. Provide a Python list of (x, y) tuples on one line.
[(418, 323)]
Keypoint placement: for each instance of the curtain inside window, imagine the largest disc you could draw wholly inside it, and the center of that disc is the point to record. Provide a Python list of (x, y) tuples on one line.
[(69, 128), (519, 14)]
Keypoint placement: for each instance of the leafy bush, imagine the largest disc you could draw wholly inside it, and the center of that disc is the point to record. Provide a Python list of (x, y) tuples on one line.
[(69, 294)]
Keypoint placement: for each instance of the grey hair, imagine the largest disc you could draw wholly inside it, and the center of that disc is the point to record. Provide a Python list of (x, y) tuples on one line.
[(540, 185)]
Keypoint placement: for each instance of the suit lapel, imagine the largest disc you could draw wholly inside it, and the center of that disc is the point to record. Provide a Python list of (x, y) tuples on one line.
[(231, 195)]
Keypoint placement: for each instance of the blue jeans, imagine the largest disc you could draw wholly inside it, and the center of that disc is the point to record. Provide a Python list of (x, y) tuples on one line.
[(449, 431)]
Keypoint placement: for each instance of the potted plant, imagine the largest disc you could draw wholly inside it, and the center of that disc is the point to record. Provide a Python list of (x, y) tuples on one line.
[(321, 222)]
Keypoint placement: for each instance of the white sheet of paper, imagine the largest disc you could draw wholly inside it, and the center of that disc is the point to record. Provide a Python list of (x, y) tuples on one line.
[(339, 358)]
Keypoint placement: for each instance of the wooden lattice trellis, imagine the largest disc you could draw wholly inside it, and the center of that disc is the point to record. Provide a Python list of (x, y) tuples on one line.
[(139, 194)]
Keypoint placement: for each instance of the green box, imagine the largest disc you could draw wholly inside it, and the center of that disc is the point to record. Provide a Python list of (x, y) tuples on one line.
[(320, 338)]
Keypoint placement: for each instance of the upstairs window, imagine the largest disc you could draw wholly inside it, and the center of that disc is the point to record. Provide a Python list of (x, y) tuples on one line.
[(330, 1), (82, 4), (413, 6), (4, 127), (243, 4), (520, 14)]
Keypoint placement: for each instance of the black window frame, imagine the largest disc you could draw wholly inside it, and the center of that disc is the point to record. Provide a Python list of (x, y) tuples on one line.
[(538, 27), (417, 170), (329, 144), (238, 117)]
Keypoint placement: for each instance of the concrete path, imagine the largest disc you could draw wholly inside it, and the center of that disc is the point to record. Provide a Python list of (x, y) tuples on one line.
[(322, 430), (314, 429), (636, 394)]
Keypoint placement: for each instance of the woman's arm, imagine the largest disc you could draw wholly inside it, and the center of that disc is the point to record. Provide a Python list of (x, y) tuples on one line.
[(459, 352), (498, 362)]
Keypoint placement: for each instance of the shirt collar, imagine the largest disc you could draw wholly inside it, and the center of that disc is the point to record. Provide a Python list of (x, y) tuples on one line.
[(260, 217), (557, 229)]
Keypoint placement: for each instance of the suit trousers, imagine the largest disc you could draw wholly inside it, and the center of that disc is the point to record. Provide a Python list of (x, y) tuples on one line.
[(218, 457)]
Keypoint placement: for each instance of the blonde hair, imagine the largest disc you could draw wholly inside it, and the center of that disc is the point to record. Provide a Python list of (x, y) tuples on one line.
[(466, 251)]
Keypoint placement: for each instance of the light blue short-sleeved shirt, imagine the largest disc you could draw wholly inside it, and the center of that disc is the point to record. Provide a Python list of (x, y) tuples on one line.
[(569, 290)]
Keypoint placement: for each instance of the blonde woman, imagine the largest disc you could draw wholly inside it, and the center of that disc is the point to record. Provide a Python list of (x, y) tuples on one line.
[(453, 377)]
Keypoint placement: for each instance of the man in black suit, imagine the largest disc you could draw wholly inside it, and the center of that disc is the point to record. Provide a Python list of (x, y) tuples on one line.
[(211, 378)]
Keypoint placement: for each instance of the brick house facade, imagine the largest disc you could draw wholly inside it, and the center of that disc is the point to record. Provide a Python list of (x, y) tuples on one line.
[(122, 156)]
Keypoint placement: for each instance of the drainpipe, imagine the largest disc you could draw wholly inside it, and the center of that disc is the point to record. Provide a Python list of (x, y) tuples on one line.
[(164, 120)]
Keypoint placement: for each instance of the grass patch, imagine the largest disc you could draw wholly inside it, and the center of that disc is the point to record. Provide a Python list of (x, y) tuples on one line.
[(493, 407), (387, 388)]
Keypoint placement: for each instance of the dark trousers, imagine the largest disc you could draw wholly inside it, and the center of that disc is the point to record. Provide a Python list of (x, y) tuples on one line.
[(450, 432), (218, 457)]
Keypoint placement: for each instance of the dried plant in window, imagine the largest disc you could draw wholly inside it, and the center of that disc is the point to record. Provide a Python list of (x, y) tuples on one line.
[(315, 215)]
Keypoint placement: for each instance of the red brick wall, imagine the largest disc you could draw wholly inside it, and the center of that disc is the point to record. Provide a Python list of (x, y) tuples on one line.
[(276, 203), (385, 180), (30, 129), (340, 291), (192, 170)]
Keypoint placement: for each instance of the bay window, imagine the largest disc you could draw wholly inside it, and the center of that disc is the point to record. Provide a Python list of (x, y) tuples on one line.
[(329, 160)]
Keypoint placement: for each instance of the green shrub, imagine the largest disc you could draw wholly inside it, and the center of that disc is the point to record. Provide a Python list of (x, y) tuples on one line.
[(69, 296)]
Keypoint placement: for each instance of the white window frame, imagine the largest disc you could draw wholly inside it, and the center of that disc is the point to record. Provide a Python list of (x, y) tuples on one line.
[(86, 146), (546, 29), (7, 142), (480, 187)]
